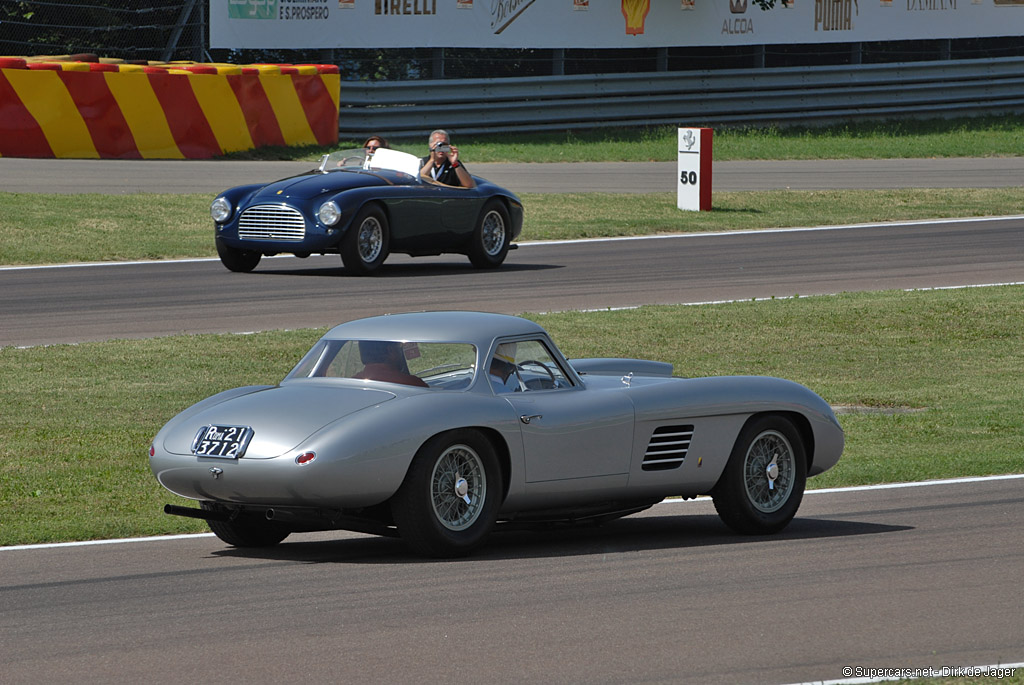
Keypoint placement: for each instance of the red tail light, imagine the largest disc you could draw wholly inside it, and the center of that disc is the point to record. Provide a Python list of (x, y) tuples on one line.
[(305, 458)]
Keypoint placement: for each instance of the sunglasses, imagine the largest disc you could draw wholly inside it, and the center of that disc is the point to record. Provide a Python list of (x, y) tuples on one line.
[(372, 148)]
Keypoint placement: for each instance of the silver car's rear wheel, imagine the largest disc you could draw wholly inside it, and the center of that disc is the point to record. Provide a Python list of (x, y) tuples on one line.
[(364, 246), (458, 487), (763, 482), (449, 500)]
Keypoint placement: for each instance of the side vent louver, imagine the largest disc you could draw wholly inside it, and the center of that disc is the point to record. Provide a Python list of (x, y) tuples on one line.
[(667, 448)]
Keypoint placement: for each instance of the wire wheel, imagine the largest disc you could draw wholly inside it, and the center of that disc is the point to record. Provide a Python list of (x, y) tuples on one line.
[(492, 232), (763, 482), (458, 487), (364, 247), (370, 239), (490, 242), (449, 500), (768, 472)]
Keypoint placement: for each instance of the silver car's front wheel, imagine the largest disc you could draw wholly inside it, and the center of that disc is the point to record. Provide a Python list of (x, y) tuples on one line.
[(449, 499), (763, 482), (768, 471)]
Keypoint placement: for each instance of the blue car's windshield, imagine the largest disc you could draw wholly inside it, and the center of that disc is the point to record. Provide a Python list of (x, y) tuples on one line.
[(360, 159)]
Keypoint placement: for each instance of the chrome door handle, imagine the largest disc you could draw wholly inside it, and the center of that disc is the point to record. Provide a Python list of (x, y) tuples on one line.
[(527, 418)]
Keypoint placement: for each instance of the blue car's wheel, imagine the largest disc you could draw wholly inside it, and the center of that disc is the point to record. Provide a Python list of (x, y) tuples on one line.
[(490, 239), (449, 500), (364, 246), (763, 482), (242, 261)]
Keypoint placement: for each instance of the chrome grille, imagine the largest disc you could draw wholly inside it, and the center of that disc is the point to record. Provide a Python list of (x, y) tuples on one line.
[(271, 222), (667, 448)]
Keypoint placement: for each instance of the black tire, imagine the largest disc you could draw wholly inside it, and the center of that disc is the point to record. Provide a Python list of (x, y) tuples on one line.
[(240, 261), (429, 508), (490, 241), (763, 482), (247, 530), (364, 247)]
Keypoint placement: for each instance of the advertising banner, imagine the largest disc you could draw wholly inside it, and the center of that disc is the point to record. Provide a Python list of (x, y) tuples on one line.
[(304, 24)]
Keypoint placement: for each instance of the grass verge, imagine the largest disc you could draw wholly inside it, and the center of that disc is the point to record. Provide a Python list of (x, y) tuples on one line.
[(79, 418), (48, 229)]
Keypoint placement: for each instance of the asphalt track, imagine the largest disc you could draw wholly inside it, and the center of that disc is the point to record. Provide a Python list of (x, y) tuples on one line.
[(895, 578), (923, 576), (129, 176), (62, 305)]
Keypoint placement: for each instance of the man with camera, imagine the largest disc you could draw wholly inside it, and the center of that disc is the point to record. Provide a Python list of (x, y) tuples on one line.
[(443, 165)]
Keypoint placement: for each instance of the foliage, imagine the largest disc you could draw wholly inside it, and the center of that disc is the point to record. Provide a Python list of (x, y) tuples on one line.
[(108, 28)]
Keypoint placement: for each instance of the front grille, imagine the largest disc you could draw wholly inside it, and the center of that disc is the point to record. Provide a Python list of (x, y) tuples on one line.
[(667, 448), (271, 222)]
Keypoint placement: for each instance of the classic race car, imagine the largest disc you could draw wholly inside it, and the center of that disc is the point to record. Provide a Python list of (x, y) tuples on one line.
[(436, 426), (365, 206)]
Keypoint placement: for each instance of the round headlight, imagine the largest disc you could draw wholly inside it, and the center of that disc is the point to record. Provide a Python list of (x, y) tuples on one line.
[(220, 210), (329, 213)]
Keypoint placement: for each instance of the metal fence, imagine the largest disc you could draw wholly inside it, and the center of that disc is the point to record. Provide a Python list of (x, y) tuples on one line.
[(753, 97)]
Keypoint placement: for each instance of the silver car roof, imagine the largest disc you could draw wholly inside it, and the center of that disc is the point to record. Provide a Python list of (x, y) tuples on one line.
[(479, 328)]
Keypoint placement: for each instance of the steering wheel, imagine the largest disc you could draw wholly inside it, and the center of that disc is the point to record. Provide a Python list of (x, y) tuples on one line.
[(544, 367)]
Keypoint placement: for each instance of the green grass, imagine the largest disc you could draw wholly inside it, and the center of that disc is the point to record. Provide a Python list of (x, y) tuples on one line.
[(982, 137), (46, 229), (78, 419)]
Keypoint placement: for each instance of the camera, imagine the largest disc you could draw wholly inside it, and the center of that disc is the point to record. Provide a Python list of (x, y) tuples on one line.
[(442, 147)]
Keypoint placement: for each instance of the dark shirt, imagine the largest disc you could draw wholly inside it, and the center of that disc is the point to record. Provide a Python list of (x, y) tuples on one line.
[(443, 174)]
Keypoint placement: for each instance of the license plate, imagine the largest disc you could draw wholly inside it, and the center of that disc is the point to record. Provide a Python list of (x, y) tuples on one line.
[(223, 442)]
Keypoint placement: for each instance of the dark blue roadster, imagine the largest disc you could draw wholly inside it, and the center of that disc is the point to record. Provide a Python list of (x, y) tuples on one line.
[(365, 206)]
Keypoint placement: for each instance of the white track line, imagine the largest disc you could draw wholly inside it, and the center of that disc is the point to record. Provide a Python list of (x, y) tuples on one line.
[(856, 488)]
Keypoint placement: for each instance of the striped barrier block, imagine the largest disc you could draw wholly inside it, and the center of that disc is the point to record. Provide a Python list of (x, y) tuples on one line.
[(110, 110)]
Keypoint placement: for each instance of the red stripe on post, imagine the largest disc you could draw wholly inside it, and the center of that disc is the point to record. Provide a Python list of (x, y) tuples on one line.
[(107, 126), (319, 108), (188, 124), (20, 135), (706, 135), (259, 115)]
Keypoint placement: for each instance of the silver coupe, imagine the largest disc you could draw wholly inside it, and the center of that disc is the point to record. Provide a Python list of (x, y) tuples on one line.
[(437, 426)]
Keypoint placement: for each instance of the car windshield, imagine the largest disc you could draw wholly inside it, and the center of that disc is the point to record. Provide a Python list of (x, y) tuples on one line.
[(359, 159), (442, 366)]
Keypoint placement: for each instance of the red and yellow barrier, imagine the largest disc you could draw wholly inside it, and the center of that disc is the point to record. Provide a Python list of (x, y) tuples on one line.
[(104, 109)]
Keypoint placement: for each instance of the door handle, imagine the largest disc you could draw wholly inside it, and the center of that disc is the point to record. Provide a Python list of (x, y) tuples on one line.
[(527, 418)]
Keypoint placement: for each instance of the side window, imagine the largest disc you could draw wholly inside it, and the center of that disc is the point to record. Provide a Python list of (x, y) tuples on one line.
[(525, 366)]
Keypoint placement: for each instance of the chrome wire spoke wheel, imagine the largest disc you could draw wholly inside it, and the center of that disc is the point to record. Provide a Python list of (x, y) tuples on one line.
[(371, 239), (493, 233), (769, 471), (458, 487)]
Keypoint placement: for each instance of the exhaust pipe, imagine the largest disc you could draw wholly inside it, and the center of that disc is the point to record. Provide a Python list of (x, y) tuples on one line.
[(205, 514)]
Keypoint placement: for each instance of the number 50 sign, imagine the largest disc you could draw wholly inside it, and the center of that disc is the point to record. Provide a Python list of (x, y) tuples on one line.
[(693, 175)]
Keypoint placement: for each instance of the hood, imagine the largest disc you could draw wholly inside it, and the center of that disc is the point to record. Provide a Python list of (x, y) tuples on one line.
[(313, 184), (282, 417)]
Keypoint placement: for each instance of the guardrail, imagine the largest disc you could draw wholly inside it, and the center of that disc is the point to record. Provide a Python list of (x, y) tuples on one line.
[(791, 95)]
